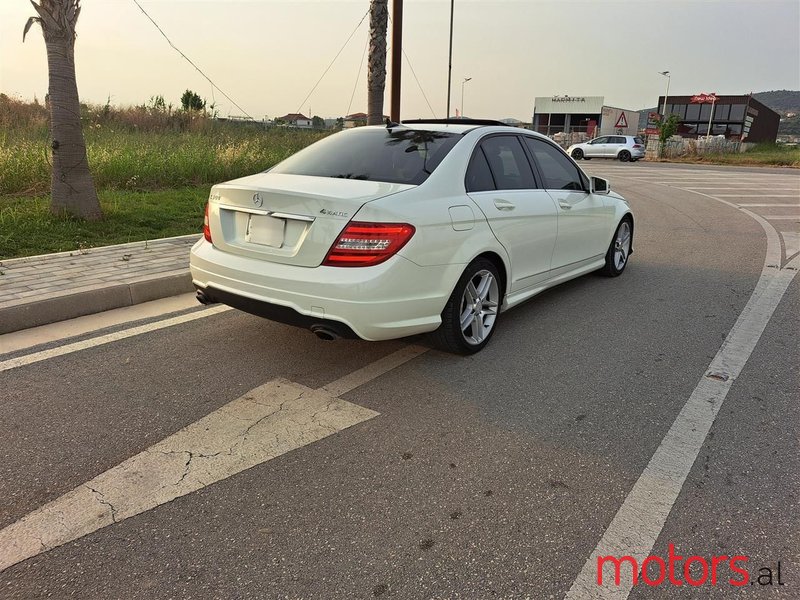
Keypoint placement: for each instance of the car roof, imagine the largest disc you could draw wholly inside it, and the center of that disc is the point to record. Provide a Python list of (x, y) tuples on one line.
[(455, 126)]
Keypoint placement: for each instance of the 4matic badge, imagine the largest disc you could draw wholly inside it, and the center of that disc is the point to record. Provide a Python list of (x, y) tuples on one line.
[(333, 213)]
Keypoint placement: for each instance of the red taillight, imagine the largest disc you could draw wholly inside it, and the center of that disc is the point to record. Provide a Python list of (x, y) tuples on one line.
[(206, 227), (638, 146), (367, 244)]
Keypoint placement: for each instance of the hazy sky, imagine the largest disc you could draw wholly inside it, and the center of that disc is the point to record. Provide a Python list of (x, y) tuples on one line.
[(268, 54)]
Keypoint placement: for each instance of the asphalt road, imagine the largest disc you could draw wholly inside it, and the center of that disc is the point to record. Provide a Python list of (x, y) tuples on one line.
[(490, 476)]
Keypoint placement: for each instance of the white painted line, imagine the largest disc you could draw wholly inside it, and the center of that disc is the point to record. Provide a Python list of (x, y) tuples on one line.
[(756, 195), (791, 243), (35, 357), (27, 338), (772, 205), (782, 217), (267, 422), (748, 188), (639, 521), (372, 371)]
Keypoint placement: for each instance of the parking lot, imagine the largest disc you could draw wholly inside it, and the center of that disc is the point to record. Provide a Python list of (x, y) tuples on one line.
[(207, 453)]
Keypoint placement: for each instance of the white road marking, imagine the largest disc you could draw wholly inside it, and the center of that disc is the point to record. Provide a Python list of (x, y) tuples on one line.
[(791, 243), (782, 217), (27, 338), (271, 420), (771, 205), (641, 518), (373, 370), (754, 195), (13, 363)]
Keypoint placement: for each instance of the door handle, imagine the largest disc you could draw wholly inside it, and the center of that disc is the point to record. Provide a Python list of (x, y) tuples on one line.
[(565, 205), (504, 205)]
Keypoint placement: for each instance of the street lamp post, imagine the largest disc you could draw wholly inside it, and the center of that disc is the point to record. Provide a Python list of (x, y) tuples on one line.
[(466, 79), (666, 94)]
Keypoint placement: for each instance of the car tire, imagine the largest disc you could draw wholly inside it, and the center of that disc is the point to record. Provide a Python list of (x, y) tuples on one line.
[(624, 156), (469, 318), (577, 154), (619, 250)]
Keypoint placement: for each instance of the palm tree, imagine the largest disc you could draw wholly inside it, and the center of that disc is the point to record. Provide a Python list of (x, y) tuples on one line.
[(73, 189), (376, 75)]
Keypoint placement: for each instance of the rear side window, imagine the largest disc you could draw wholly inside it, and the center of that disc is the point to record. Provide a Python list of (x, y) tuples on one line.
[(397, 155), (507, 161), (479, 176), (558, 171)]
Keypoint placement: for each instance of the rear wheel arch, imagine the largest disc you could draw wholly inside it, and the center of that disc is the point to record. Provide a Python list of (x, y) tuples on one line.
[(498, 262)]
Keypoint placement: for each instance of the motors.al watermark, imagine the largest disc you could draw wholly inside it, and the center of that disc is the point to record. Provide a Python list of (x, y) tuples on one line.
[(695, 571)]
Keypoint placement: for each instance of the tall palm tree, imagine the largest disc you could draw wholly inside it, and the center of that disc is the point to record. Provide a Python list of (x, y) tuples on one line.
[(73, 189), (376, 75)]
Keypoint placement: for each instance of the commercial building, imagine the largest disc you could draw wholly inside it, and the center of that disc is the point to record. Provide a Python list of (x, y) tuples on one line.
[(736, 117), (582, 114)]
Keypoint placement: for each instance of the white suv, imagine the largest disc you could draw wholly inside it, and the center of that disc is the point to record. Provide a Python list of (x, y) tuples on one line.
[(624, 147)]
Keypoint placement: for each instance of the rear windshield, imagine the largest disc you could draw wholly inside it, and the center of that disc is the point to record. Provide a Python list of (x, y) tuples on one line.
[(398, 155), (638, 140)]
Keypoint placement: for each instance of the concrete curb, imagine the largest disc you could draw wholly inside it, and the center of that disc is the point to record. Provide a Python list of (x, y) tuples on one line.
[(87, 302)]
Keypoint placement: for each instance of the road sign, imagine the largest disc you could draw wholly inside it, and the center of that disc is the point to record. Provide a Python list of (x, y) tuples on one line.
[(622, 121)]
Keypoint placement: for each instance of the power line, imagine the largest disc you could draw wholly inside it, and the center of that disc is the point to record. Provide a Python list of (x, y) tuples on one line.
[(419, 85), (199, 70), (325, 72), (358, 77), (408, 60)]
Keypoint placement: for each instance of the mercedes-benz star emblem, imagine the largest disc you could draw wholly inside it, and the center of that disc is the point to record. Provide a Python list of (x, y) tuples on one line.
[(258, 200)]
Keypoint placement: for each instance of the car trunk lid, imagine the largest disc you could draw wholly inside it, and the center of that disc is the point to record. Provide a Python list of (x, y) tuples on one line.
[(289, 219)]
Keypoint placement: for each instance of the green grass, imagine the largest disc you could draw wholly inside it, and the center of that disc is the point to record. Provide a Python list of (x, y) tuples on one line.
[(28, 228), (152, 169), (151, 160), (765, 155)]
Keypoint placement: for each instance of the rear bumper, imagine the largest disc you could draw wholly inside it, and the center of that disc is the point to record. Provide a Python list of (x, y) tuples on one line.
[(391, 300)]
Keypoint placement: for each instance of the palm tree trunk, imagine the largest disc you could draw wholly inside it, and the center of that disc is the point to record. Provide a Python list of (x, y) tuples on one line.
[(73, 189), (376, 75)]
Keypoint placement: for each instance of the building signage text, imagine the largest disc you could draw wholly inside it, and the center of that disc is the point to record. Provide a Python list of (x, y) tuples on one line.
[(704, 98)]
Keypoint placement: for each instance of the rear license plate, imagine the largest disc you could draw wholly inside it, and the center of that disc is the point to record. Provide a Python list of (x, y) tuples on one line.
[(266, 231)]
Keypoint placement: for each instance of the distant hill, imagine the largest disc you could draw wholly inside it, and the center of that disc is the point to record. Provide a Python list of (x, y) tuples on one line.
[(781, 101)]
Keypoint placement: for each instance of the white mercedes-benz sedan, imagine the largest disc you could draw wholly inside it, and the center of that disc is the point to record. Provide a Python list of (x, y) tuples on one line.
[(424, 226)]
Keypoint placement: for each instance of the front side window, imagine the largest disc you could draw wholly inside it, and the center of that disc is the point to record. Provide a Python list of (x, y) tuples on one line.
[(398, 155), (509, 165), (556, 168), (600, 140)]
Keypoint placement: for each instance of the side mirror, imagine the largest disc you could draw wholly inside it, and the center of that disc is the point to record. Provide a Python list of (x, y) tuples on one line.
[(600, 185)]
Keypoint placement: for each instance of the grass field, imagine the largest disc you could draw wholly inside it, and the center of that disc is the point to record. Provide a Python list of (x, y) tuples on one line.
[(764, 155), (28, 228), (140, 148), (152, 169)]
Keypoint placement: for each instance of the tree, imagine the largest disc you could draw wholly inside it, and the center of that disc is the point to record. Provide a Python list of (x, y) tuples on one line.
[(72, 187), (317, 122), (192, 101), (376, 73), (666, 129)]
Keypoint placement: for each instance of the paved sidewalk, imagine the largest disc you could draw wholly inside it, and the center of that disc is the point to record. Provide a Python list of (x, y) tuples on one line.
[(54, 287)]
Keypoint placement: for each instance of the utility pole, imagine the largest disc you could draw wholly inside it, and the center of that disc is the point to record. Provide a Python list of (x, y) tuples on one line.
[(397, 55), (450, 59)]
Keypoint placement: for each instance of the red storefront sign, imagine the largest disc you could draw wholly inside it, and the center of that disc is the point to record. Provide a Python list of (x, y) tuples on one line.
[(705, 98)]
